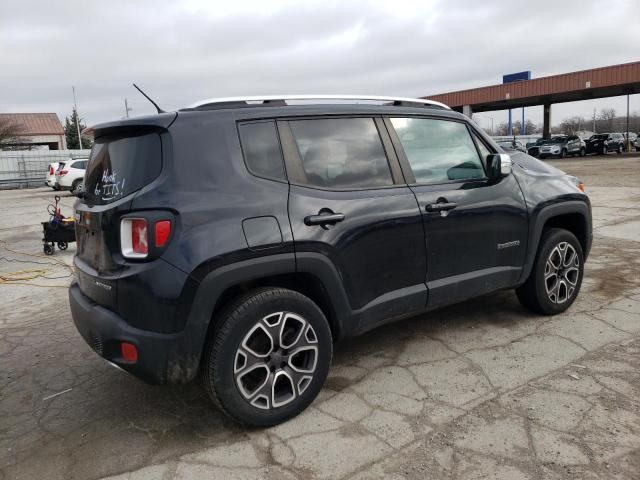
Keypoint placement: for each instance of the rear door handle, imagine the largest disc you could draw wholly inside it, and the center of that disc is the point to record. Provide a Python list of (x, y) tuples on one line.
[(324, 219), (440, 206)]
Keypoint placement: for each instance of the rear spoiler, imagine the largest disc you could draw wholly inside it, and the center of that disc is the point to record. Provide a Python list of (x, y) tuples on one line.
[(139, 124)]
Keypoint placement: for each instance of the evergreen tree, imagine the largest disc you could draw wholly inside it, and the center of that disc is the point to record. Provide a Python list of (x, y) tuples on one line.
[(71, 132)]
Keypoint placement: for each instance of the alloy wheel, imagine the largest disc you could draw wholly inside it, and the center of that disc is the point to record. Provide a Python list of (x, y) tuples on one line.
[(561, 273), (276, 360)]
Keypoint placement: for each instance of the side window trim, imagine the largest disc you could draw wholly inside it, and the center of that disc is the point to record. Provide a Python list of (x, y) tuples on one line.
[(476, 137), (403, 161), (279, 142), (389, 150), (293, 161)]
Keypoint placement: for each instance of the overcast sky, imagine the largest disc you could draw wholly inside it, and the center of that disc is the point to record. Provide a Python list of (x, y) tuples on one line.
[(182, 51)]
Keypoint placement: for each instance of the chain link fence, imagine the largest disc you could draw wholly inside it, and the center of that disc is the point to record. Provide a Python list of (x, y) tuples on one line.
[(28, 168)]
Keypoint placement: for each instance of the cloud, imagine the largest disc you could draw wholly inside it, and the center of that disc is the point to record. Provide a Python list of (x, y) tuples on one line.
[(184, 51)]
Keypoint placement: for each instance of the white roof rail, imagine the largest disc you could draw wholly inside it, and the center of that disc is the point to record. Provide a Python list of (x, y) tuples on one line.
[(354, 98)]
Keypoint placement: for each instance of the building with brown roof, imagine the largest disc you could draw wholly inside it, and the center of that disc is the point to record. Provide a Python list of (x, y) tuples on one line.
[(35, 131)]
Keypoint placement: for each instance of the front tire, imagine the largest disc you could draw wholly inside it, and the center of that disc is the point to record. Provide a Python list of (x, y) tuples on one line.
[(583, 152), (268, 357), (563, 153), (556, 277)]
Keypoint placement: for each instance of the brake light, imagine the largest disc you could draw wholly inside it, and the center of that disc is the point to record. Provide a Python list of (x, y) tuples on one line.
[(51, 172), (63, 172), (134, 238), (163, 230), (129, 352)]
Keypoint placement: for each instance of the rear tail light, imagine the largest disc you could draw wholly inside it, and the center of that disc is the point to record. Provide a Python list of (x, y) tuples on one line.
[(142, 237), (63, 172), (129, 352), (134, 238), (163, 230), (51, 172)]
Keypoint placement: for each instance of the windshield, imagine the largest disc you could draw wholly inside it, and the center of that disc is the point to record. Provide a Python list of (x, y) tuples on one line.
[(558, 140), (601, 136)]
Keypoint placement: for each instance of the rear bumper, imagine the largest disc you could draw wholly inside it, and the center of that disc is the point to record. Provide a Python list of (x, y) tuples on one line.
[(162, 357)]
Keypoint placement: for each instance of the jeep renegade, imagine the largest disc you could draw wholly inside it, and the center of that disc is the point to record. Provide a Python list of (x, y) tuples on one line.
[(236, 240)]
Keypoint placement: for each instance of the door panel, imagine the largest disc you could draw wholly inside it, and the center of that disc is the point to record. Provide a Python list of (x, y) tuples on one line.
[(479, 245), (378, 248), (475, 229), (344, 170)]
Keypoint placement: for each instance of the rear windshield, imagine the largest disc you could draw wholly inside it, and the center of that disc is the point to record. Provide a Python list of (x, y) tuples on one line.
[(120, 165)]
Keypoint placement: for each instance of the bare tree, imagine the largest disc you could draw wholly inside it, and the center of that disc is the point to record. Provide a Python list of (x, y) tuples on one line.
[(572, 125), (606, 120), (9, 135)]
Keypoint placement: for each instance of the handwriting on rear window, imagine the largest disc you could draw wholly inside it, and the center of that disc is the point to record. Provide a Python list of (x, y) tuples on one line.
[(109, 186)]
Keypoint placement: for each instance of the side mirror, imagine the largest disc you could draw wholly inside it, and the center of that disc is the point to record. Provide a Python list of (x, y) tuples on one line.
[(498, 165)]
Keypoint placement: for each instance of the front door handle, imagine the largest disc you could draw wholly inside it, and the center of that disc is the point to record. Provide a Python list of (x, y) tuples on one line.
[(440, 206), (324, 219)]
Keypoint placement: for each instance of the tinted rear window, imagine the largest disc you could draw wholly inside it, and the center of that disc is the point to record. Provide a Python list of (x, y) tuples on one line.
[(342, 153), (120, 165), (261, 149)]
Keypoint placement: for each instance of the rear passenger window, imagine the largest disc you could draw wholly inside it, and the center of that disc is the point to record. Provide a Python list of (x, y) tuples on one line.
[(261, 149), (341, 153), (438, 150)]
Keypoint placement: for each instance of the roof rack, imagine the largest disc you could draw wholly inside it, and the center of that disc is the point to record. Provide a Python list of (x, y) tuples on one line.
[(279, 100)]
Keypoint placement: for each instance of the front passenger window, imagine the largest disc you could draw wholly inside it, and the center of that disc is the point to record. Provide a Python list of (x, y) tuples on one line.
[(438, 150)]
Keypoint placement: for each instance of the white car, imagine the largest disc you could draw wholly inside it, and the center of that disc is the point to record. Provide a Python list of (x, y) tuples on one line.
[(50, 180), (70, 175)]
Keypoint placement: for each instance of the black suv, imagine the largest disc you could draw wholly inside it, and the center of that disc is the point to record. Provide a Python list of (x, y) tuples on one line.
[(604, 143), (239, 240)]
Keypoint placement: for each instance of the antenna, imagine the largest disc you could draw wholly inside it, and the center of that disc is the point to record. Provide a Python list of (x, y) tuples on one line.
[(149, 98)]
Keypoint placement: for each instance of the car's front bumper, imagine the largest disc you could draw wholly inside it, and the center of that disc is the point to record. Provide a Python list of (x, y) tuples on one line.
[(162, 357)]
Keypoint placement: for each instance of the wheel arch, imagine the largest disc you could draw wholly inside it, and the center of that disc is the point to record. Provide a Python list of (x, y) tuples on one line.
[(316, 279), (574, 216)]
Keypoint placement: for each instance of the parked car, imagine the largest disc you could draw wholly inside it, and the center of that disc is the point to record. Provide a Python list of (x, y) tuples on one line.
[(70, 175), (637, 142), (562, 146), (237, 241), (533, 148), (604, 143), (50, 179), (512, 145)]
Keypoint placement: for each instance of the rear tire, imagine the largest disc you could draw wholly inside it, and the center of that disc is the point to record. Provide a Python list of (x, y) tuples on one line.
[(583, 152), (556, 277), (604, 150), (563, 153), (77, 186), (267, 357), (619, 149)]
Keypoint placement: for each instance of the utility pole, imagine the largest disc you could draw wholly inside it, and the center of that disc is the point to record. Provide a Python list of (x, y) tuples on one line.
[(75, 106), (127, 108), (594, 120)]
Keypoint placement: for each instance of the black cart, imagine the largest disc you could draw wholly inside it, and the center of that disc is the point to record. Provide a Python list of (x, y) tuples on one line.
[(57, 231)]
